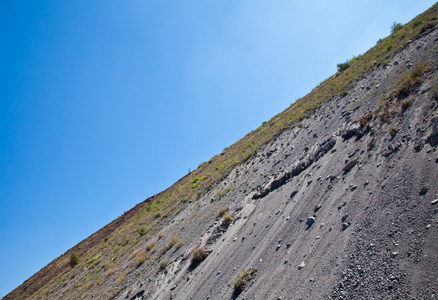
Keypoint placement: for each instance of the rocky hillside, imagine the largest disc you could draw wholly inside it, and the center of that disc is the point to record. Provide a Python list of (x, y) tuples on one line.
[(334, 198)]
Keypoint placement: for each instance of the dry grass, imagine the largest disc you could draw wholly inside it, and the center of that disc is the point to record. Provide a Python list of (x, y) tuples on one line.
[(407, 103), (164, 264), (150, 246), (365, 119), (413, 77), (198, 255), (393, 131), (173, 241), (110, 272), (243, 279), (179, 245), (228, 219), (222, 212), (434, 88), (140, 258)]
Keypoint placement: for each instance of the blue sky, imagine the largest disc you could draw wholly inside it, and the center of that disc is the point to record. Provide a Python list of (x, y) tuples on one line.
[(105, 103)]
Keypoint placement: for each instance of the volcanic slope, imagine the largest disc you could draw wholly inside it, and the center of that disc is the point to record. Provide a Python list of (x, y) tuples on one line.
[(338, 203)]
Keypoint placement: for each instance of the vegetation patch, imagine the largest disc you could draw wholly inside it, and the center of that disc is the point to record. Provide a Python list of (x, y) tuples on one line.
[(343, 66), (434, 88), (412, 78), (140, 258), (222, 212), (91, 260), (396, 27), (365, 119), (393, 131), (407, 103), (228, 219), (164, 264), (198, 255), (150, 246), (141, 230), (243, 279), (74, 260)]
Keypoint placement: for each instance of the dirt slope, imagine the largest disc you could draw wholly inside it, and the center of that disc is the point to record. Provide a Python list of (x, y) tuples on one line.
[(341, 205), (370, 190)]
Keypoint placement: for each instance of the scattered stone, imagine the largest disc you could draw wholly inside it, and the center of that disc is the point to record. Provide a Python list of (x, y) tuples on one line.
[(349, 166), (317, 207), (288, 245), (310, 221), (301, 265), (285, 262), (394, 254), (428, 226), (293, 194), (424, 190), (433, 202), (345, 225), (173, 287)]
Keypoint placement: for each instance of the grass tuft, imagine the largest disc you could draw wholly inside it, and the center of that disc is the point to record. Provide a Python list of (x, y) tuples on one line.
[(164, 264), (198, 255), (243, 279)]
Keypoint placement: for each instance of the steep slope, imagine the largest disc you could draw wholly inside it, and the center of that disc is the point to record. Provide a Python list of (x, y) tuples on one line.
[(358, 155)]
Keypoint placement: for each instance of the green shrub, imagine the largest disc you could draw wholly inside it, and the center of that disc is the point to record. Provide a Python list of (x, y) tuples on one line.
[(396, 27), (74, 259), (343, 66), (142, 230)]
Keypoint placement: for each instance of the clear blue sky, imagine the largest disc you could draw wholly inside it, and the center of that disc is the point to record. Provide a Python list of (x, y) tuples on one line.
[(105, 103)]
